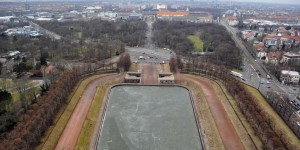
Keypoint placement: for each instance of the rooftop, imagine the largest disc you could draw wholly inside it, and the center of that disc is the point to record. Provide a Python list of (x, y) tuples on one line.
[(289, 54), (288, 72), (165, 13)]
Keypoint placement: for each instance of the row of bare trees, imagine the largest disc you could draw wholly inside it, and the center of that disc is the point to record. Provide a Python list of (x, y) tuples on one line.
[(32, 125), (175, 63), (281, 104), (216, 40), (124, 61), (130, 32), (260, 121)]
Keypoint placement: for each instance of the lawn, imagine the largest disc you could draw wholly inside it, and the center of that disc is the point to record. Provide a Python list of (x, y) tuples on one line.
[(53, 133), (277, 121), (198, 43), (87, 130), (133, 67), (10, 85)]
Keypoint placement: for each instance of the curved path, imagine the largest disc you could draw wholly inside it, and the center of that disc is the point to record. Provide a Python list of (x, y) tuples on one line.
[(226, 130), (71, 131)]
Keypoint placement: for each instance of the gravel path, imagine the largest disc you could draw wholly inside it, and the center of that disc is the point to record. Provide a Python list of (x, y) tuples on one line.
[(149, 74), (226, 130), (71, 132)]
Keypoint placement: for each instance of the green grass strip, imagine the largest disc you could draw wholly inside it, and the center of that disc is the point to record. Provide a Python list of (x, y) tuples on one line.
[(198, 43)]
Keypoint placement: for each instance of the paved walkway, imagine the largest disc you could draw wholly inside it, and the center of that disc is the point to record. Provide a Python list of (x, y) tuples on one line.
[(149, 74), (68, 139), (226, 130)]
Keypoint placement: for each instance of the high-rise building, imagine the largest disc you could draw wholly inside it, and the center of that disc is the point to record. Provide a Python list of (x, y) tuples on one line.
[(26, 5)]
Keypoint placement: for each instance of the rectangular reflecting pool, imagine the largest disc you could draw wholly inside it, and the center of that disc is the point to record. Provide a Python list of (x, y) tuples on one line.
[(149, 118)]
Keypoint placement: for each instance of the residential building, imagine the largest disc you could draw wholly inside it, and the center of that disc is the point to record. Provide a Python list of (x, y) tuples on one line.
[(273, 57), (260, 52), (166, 15), (161, 6), (200, 17), (290, 56), (9, 19), (288, 76), (232, 20)]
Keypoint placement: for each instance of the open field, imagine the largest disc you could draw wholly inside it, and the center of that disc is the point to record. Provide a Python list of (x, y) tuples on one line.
[(278, 123), (52, 135), (198, 43), (31, 88), (86, 132)]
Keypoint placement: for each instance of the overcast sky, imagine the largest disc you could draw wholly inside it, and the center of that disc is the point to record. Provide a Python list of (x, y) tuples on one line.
[(268, 1), (272, 1)]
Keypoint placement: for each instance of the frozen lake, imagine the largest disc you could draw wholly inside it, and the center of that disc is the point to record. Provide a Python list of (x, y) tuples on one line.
[(149, 118)]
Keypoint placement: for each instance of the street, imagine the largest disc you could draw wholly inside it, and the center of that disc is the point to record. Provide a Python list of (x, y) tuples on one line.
[(149, 53), (255, 73)]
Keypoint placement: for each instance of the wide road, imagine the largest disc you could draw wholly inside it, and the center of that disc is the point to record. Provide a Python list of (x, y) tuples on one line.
[(68, 139), (150, 53), (253, 67)]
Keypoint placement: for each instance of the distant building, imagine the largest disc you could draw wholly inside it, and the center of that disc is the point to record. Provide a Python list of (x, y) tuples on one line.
[(3, 27), (9, 19), (161, 6), (171, 14), (232, 20), (27, 7), (200, 16), (25, 31), (273, 57), (290, 56), (196, 16), (288, 76), (135, 16)]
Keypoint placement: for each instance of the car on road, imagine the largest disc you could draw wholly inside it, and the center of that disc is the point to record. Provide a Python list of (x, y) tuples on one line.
[(142, 58), (298, 123), (268, 82), (268, 87), (163, 62)]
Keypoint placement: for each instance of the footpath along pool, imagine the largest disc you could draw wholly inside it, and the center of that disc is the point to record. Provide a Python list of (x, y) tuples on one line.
[(149, 117)]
